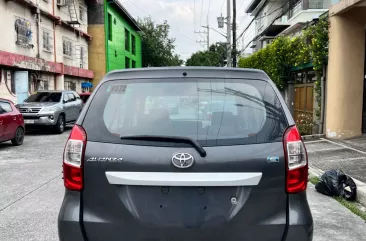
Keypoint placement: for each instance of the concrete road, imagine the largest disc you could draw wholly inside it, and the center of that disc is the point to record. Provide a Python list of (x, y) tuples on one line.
[(31, 192)]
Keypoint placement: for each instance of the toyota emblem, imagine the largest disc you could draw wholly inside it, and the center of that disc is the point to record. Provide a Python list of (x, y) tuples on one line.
[(29, 110), (182, 160)]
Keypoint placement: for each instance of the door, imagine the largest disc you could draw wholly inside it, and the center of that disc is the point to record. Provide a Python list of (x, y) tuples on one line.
[(68, 107), (21, 85), (303, 101), (146, 188), (7, 121), (73, 103), (2, 124), (364, 109)]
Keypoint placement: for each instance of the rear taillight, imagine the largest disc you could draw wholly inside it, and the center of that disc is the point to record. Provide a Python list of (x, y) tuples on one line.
[(296, 161), (73, 159)]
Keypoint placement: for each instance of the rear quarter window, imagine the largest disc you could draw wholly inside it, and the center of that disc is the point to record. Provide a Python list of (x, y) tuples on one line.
[(213, 111)]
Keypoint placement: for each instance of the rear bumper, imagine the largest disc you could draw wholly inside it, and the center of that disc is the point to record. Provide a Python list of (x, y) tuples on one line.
[(300, 221), (69, 225)]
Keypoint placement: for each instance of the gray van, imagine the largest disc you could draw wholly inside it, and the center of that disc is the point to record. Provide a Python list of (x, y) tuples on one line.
[(135, 171)]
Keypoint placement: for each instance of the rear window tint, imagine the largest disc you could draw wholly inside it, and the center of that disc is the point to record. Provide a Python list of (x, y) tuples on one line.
[(212, 111)]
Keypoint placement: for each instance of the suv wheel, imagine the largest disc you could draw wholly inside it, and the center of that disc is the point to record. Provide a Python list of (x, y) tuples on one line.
[(60, 125), (19, 137)]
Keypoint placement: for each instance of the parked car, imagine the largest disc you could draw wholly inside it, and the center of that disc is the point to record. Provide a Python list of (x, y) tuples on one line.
[(138, 176), (84, 96), (11, 123), (51, 109)]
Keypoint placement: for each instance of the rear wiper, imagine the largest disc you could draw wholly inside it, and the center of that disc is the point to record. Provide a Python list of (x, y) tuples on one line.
[(177, 139)]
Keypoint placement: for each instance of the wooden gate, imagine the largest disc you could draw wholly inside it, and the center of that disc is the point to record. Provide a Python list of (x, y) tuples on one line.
[(303, 100)]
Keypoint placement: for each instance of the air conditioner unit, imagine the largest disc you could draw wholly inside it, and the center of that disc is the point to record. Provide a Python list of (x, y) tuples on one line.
[(61, 3)]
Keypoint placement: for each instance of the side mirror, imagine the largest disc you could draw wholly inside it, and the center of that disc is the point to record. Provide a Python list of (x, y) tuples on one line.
[(64, 101)]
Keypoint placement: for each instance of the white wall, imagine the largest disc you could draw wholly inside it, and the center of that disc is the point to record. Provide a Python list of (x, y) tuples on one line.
[(305, 16), (77, 42), (9, 12), (47, 25)]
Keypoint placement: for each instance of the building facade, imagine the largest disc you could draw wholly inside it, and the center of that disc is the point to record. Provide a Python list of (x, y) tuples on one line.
[(117, 43), (345, 93), (283, 17), (43, 46)]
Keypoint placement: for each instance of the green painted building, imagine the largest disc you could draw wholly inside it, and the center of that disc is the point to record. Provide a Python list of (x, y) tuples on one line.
[(116, 40)]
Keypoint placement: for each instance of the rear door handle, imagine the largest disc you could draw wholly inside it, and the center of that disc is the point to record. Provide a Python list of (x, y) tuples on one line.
[(14, 118)]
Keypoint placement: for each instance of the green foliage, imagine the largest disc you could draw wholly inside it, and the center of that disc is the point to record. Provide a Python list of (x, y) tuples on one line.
[(215, 56), (157, 47), (285, 52)]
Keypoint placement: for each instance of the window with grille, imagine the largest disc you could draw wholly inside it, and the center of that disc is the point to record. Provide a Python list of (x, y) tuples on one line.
[(82, 56), (133, 40), (127, 40), (45, 85), (23, 31), (82, 13), (47, 41), (318, 4), (67, 47), (295, 7), (70, 85)]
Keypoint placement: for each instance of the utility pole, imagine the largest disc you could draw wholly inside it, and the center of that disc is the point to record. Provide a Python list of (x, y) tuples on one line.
[(228, 56), (234, 33), (208, 36), (202, 41)]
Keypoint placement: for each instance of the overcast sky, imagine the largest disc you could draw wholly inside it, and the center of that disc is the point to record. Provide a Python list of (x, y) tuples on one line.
[(187, 16)]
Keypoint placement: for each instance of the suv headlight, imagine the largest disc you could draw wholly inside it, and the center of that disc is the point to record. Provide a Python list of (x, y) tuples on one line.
[(49, 109)]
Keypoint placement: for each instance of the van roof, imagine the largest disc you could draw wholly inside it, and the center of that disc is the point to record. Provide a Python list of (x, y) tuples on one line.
[(191, 72)]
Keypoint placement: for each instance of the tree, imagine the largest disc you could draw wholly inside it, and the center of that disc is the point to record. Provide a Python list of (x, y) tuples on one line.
[(215, 56), (157, 47)]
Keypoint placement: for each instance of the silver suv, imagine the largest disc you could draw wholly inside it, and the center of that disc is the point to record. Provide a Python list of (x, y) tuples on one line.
[(51, 108)]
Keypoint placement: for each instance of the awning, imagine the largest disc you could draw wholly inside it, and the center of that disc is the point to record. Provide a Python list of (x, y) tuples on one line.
[(86, 85)]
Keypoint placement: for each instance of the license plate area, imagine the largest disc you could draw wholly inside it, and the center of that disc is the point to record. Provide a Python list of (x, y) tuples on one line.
[(29, 121), (189, 207)]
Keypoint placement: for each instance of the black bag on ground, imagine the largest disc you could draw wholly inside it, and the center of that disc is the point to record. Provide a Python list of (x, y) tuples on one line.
[(336, 183)]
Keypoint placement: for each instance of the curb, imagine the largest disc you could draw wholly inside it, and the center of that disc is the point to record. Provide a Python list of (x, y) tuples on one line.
[(361, 187)]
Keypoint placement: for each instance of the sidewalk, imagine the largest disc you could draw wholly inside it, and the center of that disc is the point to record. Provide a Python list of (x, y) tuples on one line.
[(348, 156)]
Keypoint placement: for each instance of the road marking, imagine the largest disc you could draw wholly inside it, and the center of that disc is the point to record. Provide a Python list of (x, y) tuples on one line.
[(314, 141), (351, 148)]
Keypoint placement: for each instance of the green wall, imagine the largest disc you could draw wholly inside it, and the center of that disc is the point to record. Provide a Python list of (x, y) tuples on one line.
[(117, 44)]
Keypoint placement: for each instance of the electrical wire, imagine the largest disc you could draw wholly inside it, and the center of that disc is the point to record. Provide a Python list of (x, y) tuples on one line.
[(201, 13)]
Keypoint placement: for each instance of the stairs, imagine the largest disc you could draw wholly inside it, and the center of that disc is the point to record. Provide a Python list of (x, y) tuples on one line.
[(74, 19)]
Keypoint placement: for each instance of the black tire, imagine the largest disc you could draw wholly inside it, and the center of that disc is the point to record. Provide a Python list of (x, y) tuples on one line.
[(19, 137), (60, 125)]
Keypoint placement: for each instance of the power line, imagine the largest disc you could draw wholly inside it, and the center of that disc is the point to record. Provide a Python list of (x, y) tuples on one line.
[(201, 12)]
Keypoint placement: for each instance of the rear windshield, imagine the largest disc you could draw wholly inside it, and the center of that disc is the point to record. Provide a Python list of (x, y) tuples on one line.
[(212, 111)]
